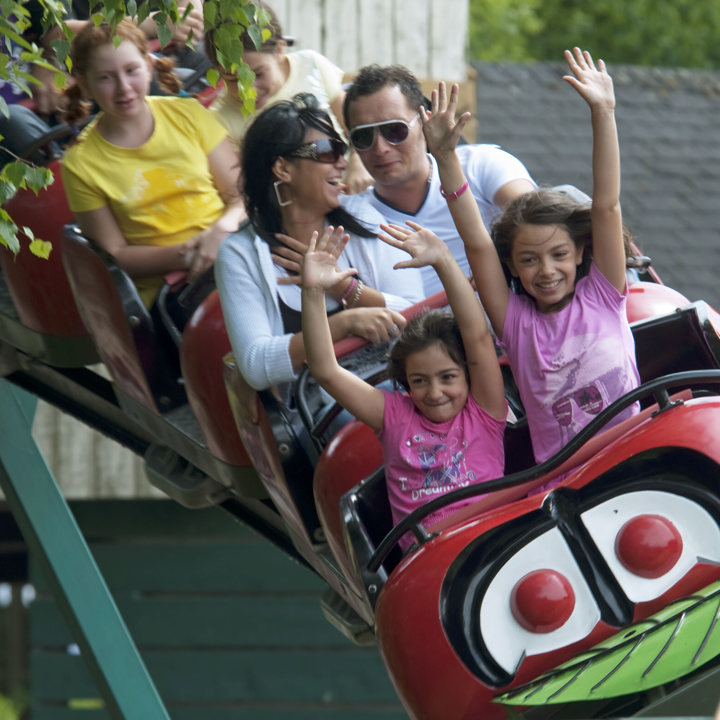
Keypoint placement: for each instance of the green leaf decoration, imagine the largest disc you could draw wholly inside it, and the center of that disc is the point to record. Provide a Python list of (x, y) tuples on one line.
[(8, 233), (7, 190), (164, 31), (14, 173), (40, 248), (38, 178), (674, 642)]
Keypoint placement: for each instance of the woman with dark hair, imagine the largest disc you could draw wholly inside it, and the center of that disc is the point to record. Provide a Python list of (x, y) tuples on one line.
[(292, 162)]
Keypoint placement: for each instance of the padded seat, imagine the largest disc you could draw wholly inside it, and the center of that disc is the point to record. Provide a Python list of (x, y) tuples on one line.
[(352, 454), (205, 343), (52, 328), (121, 326)]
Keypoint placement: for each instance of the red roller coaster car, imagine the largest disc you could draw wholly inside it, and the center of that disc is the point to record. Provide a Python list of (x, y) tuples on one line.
[(595, 599)]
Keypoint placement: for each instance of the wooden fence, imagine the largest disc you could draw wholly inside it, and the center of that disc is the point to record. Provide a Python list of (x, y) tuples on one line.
[(427, 36)]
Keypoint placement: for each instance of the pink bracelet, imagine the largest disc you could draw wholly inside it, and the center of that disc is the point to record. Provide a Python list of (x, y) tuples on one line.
[(454, 195), (350, 288)]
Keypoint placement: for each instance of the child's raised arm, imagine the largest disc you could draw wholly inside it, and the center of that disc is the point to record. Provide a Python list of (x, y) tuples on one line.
[(426, 248), (595, 86), (320, 272), (442, 133)]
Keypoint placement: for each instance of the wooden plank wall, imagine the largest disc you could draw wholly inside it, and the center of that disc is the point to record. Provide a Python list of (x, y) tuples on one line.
[(227, 625), (427, 36)]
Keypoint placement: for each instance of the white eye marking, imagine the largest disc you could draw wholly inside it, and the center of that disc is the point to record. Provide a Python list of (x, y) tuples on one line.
[(506, 640), (697, 528)]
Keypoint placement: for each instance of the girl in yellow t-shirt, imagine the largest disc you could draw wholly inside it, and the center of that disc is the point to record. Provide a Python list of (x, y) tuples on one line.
[(153, 180)]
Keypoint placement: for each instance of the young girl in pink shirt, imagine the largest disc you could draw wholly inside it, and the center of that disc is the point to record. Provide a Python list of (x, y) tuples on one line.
[(443, 429), (565, 332)]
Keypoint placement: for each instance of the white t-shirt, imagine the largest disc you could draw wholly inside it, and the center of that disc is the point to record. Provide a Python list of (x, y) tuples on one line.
[(487, 168)]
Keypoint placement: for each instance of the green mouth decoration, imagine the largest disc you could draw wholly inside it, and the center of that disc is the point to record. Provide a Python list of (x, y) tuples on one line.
[(679, 639)]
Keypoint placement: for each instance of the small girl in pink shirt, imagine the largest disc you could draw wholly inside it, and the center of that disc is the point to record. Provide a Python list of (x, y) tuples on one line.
[(444, 429)]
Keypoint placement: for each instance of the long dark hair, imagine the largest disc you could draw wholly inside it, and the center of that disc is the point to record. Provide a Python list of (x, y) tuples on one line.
[(277, 132), (422, 331)]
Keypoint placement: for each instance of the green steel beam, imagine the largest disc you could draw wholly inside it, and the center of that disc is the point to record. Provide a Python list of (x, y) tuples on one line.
[(53, 536)]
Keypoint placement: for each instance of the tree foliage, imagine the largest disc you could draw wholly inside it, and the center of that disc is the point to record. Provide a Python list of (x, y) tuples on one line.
[(662, 33), (229, 17)]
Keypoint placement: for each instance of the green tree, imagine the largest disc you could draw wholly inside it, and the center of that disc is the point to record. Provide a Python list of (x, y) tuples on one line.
[(231, 17), (663, 33), (501, 30)]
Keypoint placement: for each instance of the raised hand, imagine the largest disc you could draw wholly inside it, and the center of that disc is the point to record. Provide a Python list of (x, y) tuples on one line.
[(423, 245), (442, 131), (593, 83), (319, 263)]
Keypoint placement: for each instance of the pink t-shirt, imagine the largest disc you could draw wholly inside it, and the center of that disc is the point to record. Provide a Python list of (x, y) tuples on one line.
[(572, 364), (424, 459)]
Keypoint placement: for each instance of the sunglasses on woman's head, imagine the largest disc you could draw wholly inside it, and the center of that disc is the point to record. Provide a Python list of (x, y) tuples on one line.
[(324, 150), (363, 137)]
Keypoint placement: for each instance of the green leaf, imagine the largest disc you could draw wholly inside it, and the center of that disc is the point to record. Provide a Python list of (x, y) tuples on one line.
[(210, 14), (14, 172), (256, 36), (212, 76), (164, 31), (7, 190), (38, 178), (668, 645), (8, 232), (40, 248)]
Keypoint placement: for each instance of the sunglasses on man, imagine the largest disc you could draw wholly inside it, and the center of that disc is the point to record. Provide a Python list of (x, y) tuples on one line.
[(324, 150), (395, 132)]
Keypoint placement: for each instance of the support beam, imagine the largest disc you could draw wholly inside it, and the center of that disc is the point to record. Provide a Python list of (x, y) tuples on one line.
[(53, 537)]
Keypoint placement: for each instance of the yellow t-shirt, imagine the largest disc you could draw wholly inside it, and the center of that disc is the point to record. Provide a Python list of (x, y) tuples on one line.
[(160, 193)]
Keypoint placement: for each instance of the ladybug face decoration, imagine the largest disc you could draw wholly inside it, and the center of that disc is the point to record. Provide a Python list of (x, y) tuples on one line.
[(559, 578)]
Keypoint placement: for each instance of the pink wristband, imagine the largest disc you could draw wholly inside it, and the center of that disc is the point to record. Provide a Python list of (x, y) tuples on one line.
[(349, 291), (455, 195)]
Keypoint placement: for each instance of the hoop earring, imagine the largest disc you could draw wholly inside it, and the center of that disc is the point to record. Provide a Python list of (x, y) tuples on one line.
[(281, 202)]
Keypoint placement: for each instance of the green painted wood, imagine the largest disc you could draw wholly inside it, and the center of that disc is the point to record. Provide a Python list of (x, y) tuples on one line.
[(254, 675), (221, 621), (181, 566), (242, 711), (156, 518), (227, 625), (56, 542)]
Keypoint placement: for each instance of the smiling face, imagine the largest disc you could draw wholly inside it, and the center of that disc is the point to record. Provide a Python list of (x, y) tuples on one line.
[(437, 384), (315, 186), (545, 260), (390, 165), (271, 72), (118, 79)]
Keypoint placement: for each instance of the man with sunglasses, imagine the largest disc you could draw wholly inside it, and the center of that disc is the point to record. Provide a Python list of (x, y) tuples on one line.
[(381, 112)]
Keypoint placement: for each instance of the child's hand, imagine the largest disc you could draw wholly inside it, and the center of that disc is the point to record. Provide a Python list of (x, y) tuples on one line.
[(441, 130), (593, 84), (319, 263), (425, 247)]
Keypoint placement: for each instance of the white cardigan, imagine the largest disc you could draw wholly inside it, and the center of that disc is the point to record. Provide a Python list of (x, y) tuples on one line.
[(247, 282)]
